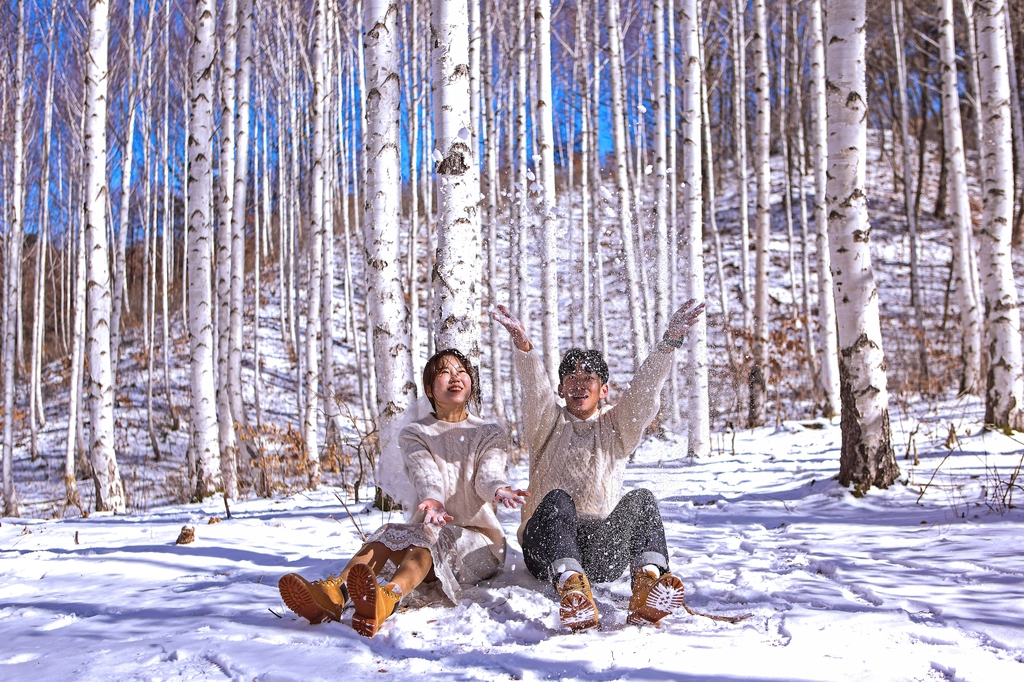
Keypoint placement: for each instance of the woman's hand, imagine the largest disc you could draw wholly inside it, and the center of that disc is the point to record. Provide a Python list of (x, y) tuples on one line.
[(510, 497), (435, 515)]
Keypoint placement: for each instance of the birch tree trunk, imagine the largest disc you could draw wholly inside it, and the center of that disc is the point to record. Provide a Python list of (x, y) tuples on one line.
[(490, 137), (819, 150), (960, 208), (709, 203), (762, 219), (75, 379), (167, 236), (37, 409), (636, 320), (547, 198), (800, 152), (659, 102), (910, 205), (225, 390), (109, 489), (127, 164), (699, 431), (205, 445), (739, 104), (456, 275), (1004, 399), (315, 244), (12, 280), (599, 206), (243, 114), (388, 311), (1017, 128), (867, 457)]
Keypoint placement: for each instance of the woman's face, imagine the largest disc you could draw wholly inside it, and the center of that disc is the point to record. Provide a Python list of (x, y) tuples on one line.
[(453, 385)]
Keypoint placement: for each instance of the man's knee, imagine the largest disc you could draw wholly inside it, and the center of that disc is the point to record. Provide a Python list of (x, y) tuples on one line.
[(557, 501), (641, 498)]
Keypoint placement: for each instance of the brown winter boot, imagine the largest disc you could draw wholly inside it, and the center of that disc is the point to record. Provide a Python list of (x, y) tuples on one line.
[(577, 610), (373, 603), (653, 598), (315, 601)]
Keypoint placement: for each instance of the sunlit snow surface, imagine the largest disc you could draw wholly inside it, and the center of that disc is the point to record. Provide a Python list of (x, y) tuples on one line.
[(840, 588)]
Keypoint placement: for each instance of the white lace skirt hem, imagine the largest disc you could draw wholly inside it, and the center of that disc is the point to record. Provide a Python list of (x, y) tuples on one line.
[(459, 555)]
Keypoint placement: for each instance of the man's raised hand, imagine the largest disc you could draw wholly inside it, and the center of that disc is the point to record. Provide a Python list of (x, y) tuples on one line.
[(434, 513), (505, 318), (681, 321), (509, 497)]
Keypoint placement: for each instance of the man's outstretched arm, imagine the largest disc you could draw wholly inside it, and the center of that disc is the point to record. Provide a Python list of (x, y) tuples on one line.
[(639, 403)]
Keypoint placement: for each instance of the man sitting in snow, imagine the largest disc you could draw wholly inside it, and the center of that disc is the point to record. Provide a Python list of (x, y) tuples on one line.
[(576, 522)]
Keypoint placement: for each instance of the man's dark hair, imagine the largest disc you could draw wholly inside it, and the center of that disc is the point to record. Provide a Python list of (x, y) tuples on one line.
[(588, 361)]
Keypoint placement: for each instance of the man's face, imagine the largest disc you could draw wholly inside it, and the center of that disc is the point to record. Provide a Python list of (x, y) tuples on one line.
[(582, 391)]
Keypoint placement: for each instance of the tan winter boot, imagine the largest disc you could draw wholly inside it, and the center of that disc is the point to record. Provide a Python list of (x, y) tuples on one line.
[(653, 598), (315, 601), (578, 610), (373, 603)]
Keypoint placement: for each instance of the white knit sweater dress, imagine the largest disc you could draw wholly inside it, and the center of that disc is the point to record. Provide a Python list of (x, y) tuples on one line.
[(462, 465)]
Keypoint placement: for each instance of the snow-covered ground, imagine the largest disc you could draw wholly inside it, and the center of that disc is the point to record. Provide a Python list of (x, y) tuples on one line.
[(884, 587)]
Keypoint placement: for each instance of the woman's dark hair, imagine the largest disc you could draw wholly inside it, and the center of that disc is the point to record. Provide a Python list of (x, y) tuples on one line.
[(588, 360), (434, 366)]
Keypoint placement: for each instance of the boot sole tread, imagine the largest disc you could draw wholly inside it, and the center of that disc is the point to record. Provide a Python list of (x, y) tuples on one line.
[(298, 599)]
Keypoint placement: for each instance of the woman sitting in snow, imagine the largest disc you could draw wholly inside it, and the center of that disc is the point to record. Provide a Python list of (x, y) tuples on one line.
[(454, 464)]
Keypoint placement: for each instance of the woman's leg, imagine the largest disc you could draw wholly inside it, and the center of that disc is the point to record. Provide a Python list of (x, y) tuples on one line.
[(414, 563), (413, 568), (374, 555)]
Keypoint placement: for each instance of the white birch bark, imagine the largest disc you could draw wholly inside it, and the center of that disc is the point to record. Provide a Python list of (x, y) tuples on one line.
[(762, 219), (167, 234), (225, 418), (796, 72), (659, 102), (867, 457), (414, 99), (699, 417), (1017, 128), (489, 133), (127, 166), (243, 114), (75, 380), (333, 104), (109, 489), (599, 206), (547, 199), (386, 306), (520, 186), (315, 239), (37, 411), (456, 275), (909, 204), (636, 322), (12, 279), (827, 338), (1004, 399), (739, 104), (960, 208), (205, 445)]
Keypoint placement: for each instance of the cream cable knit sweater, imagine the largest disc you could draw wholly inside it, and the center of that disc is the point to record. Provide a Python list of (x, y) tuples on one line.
[(584, 458), (461, 464)]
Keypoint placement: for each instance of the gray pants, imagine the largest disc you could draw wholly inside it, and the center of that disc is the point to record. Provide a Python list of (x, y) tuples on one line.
[(555, 540)]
